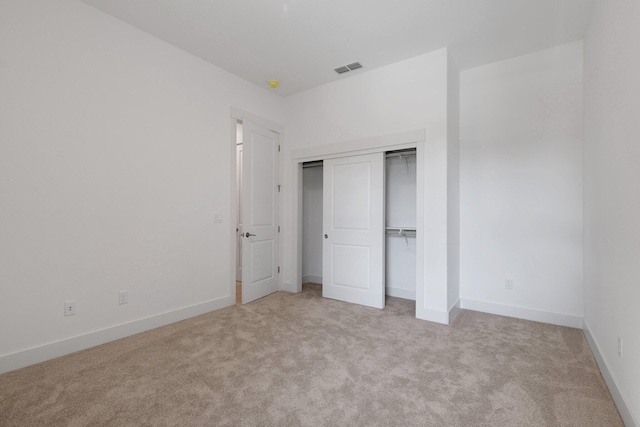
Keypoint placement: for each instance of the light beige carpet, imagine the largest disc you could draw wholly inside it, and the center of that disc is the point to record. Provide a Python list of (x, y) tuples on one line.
[(299, 359)]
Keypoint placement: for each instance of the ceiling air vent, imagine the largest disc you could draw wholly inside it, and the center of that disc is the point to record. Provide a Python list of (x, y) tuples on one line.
[(347, 68)]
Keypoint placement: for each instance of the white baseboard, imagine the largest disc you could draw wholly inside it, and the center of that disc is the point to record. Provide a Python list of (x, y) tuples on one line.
[(31, 356), (431, 315), (630, 420), (454, 310), (560, 319), (310, 278), (401, 293)]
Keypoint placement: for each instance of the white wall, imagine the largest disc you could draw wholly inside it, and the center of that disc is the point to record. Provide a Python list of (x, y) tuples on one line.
[(521, 186), (114, 157), (401, 97), (312, 225), (407, 95), (612, 198)]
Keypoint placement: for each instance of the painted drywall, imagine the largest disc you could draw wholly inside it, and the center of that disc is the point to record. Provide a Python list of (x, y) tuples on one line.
[(115, 157), (312, 225), (521, 186), (402, 97), (401, 179), (612, 196)]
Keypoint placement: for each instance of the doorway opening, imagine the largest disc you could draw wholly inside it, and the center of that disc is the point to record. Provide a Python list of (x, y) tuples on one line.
[(254, 208)]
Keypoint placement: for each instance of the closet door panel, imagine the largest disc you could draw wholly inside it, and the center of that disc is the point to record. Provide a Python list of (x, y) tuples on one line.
[(353, 247)]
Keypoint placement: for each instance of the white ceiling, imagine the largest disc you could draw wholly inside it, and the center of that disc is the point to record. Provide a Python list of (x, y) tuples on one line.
[(300, 42)]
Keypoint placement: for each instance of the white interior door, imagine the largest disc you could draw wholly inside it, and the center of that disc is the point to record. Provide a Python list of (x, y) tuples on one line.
[(353, 244), (259, 212)]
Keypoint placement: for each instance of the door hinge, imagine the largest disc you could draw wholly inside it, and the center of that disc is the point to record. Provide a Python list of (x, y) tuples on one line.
[(279, 186), (278, 229), (278, 269), (278, 148)]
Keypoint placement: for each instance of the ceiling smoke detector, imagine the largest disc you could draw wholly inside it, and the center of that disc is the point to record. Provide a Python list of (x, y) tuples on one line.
[(347, 68)]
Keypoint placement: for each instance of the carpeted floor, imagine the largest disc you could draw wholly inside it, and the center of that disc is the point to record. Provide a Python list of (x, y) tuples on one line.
[(299, 359)]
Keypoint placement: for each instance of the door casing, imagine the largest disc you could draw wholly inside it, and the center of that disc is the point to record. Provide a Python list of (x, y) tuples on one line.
[(260, 202), (412, 139), (241, 115)]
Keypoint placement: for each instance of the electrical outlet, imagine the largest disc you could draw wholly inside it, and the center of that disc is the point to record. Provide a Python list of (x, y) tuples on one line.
[(508, 284), (123, 297), (69, 308), (619, 347)]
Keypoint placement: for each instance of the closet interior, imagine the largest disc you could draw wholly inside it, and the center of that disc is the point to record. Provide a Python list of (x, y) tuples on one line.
[(400, 223)]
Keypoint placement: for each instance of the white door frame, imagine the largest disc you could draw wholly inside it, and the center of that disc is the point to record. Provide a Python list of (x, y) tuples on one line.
[(412, 139), (240, 115), (238, 218)]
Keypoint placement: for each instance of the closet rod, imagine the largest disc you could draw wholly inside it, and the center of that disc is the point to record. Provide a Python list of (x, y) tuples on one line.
[(401, 231)]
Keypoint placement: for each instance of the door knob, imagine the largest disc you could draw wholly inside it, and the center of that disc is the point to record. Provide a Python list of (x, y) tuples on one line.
[(247, 235), (326, 236)]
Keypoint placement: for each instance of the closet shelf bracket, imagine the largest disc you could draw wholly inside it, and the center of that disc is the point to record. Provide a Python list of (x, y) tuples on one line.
[(402, 232)]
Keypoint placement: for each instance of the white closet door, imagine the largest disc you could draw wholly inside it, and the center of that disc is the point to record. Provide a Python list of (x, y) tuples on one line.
[(353, 245), (259, 212)]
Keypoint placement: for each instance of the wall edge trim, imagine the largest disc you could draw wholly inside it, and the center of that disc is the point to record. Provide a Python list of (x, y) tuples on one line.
[(454, 310), (373, 144), (619, 399), (311, 278), (238, 114), (553, 318), (432, 315), (400, 293), (42, 353)]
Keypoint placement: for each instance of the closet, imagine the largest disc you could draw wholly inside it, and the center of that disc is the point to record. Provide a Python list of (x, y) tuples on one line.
[(400, 218), (399, 208), (312, 222)]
